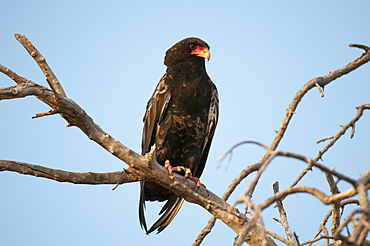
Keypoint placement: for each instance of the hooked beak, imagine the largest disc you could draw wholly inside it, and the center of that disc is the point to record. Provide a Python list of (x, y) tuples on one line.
[(202, 52)]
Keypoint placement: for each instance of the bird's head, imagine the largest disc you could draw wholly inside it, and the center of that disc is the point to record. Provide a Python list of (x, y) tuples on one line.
[(187, 50)]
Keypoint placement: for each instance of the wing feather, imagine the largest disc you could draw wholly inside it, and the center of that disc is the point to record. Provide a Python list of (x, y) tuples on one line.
[(154, 113), (210, 131)]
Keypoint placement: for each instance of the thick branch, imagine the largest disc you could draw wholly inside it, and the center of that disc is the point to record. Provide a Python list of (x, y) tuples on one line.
[(71, 177)]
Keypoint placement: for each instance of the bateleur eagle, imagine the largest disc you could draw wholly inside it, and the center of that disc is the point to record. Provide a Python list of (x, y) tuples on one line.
[(180, 119)]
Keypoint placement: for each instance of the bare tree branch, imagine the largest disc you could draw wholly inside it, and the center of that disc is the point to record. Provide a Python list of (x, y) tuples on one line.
[(322, 227), (325, 199), (140, 167), (335, 198), (361, 229), (120, 177), (322, 82), (276, 236), (332, 184), (320, 195), (284, 220), (351, 123), (41, 62), (335, 138)]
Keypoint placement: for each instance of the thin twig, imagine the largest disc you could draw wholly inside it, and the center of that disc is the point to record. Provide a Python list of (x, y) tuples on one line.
[(318, 239), (342, 131), (257, 213), (284, 219), (324, 139), (12, 75), (360, 46), (41, 62), (50, 112), (334, 138), (333, 186), (274, 235), (322, 227), (314, 163), (347, 220), (321, 90), (229, 152), (360, 231), (246, 194)]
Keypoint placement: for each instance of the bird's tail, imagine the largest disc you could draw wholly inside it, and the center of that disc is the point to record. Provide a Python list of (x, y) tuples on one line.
[(168, 211)]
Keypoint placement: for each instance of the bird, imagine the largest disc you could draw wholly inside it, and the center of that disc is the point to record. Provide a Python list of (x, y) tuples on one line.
[(180, 119)]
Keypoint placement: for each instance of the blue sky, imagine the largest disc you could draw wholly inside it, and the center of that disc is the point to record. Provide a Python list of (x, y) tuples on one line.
[(108, 55)]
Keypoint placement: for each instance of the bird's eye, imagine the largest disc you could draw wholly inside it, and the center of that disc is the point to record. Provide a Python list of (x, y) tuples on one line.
[(193, 46)]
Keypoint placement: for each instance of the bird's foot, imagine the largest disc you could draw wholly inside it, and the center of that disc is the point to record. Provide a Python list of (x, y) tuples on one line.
[(189, 175), (197, 181), (187, 171), (171, 169)]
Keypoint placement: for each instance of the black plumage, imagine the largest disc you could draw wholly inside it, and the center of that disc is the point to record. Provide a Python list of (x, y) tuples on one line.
[(180, 119)]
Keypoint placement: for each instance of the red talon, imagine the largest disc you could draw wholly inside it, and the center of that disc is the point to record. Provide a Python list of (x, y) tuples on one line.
[(189, 175), (196, 180)]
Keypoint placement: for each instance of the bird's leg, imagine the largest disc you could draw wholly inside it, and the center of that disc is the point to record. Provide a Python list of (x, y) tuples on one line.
[(189, 175), (170, 168)]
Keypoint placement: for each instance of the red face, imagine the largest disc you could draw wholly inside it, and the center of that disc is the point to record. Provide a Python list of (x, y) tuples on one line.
[(200, 51)]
